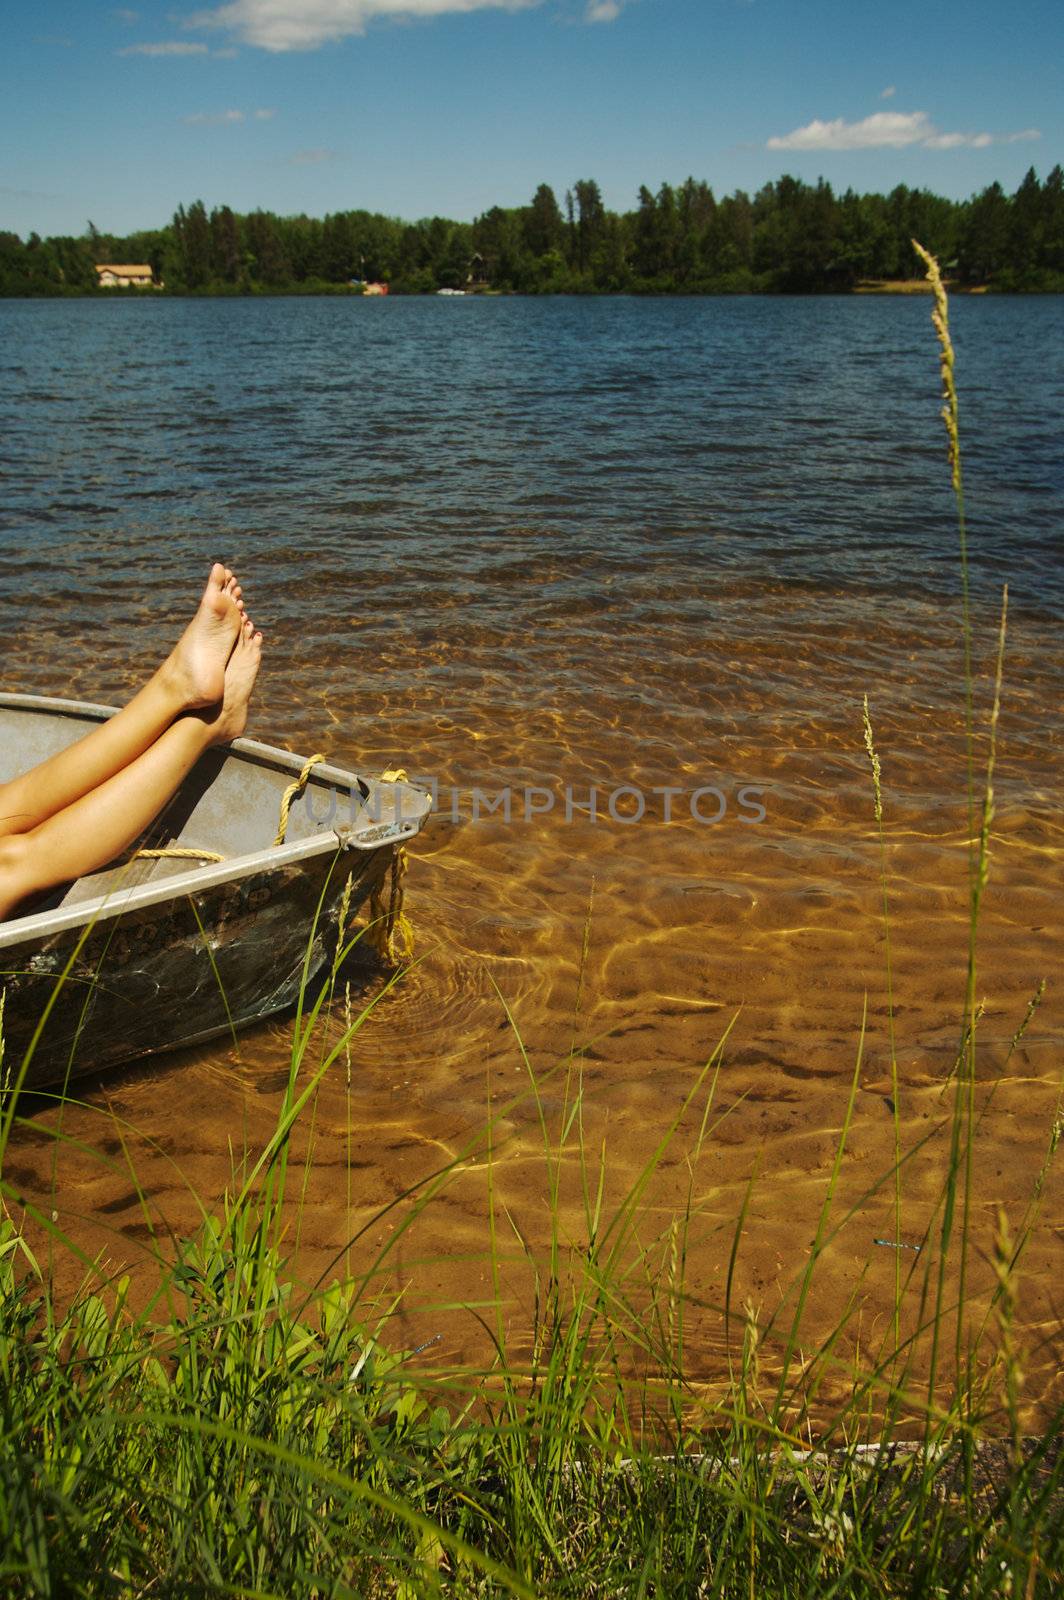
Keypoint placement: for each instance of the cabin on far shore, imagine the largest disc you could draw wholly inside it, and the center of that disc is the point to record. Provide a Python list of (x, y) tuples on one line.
[(111, 276), (478, 275)]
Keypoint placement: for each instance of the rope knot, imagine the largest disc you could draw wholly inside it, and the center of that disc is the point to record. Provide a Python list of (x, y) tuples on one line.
[(292, 793)]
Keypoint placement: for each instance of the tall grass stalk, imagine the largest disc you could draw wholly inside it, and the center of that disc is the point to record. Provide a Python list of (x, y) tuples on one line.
[(963, 1120), (888, 963)]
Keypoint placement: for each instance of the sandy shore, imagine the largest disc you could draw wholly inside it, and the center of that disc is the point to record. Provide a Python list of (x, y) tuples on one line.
[(910, 286)]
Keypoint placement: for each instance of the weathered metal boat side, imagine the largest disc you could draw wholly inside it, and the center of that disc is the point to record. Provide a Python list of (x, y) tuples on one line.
[(159, 953)]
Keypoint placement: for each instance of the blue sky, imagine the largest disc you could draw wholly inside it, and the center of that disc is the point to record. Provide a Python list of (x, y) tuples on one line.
[(416, 107)]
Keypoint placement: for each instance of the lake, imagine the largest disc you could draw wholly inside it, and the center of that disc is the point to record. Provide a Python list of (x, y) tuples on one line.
[(657, 548)]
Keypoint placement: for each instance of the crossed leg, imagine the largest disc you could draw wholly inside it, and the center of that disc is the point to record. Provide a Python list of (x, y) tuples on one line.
[(84, 806)]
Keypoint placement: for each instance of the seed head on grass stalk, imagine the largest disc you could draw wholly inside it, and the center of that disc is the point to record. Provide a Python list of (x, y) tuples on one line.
[(940, 320), (874, 761)]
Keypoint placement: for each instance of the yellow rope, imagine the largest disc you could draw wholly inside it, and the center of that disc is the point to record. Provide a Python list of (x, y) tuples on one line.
[(389, 933), (293, 792), (183, 853), (174, 850)]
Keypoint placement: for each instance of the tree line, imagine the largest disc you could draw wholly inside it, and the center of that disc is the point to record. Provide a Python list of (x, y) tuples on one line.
[(789, 237)]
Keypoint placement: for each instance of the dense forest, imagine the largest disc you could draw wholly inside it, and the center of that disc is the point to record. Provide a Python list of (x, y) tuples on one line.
[(790, 237)]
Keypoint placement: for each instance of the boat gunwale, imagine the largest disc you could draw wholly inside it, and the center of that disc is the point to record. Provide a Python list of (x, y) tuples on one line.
[(119, 902)]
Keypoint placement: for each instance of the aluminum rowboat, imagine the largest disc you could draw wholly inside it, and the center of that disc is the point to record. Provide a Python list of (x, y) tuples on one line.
[(168, 952)]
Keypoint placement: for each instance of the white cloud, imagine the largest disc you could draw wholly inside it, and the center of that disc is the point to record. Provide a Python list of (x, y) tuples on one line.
[(954, 141), (28, 194), (213, 119), (892, 130), (218, 119), (311, 158), (124, 14), (171, 47), (305, 24), (889, 92), (603, 10)]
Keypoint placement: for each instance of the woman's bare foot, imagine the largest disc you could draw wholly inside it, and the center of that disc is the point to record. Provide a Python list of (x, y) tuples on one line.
[(196, 667), (240, 675)]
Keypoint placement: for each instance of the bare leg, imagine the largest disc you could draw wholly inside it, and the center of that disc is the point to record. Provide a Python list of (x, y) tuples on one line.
[(98, 826), (192, 675)]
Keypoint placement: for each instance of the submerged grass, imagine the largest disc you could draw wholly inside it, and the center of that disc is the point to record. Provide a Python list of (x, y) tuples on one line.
[(239, 1435)]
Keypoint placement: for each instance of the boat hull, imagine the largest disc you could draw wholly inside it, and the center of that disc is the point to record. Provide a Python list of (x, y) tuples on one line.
[(178, 972)]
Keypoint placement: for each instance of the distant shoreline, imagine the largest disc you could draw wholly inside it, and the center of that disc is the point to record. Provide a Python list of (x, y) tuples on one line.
[(791, 237), (326, 291)]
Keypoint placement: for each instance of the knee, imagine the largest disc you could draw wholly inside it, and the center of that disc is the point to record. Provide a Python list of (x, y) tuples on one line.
[(16, 870), (15, 852)]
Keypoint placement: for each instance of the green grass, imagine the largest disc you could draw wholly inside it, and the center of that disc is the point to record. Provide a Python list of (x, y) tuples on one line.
[(238, 1434)]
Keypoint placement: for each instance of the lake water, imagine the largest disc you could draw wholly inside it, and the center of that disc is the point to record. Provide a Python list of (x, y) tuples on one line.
[(639, 545)]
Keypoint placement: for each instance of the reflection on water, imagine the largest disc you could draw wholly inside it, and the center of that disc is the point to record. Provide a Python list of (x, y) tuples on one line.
[(655, 546)]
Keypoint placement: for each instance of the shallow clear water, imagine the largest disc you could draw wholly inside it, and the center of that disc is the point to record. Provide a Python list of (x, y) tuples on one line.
[(518, 544)]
